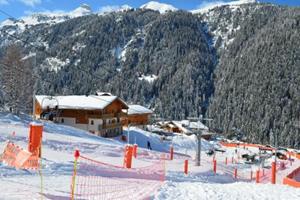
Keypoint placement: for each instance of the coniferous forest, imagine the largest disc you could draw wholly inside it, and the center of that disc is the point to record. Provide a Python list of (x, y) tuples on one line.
[(240, 67)]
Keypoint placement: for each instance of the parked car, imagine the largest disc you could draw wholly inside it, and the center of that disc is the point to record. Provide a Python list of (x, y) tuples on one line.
[(281, 156)]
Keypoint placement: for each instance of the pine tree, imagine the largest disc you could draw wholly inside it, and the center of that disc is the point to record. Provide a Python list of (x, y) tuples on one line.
[(17, 80)]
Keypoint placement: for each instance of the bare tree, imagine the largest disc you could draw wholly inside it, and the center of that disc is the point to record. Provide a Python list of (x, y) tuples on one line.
[(17, 80)]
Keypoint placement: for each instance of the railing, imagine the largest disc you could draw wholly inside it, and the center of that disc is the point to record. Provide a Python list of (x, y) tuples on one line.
[(114, 125)]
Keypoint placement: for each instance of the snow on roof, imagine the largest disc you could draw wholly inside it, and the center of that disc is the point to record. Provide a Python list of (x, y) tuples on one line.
[(196, 125), (78, 102), (138, 109), (180, 126)]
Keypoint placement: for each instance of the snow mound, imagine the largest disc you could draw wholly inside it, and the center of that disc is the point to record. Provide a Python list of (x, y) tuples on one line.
[(161, 7), (182, 143), (206, 6), (149, 78)]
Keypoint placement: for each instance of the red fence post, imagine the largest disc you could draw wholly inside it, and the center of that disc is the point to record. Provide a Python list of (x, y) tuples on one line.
[(257, 176), (35, 138), (235, 173), (128, 156), (135, 147), (273, 180), (226, 161), (171, 152), (186, 165), (215, 166)]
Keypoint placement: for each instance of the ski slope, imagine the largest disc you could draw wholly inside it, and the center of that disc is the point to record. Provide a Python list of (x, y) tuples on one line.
[(59, 143)]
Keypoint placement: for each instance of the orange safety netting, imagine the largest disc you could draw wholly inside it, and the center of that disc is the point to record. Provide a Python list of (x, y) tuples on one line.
[(19, 158), (98, 180)]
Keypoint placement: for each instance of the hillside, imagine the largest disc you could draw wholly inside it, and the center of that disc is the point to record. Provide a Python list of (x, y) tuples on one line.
[(234, 63)]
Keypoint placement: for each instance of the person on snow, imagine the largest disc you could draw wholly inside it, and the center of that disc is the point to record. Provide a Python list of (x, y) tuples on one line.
[(149, 145)]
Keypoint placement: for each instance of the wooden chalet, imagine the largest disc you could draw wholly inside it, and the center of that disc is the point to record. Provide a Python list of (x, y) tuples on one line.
[(98, 114), (186, 127), (136, 115)]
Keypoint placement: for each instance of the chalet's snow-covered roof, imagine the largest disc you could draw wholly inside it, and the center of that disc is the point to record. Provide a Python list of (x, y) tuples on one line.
[(138, 109), (77, 102), (180, 126), (186, 126), (194, 125)]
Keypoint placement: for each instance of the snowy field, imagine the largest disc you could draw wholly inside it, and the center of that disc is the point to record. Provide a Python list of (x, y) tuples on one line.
[(59, 143)]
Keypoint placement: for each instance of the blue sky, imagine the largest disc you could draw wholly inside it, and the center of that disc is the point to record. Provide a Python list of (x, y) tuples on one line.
[(18, 8)]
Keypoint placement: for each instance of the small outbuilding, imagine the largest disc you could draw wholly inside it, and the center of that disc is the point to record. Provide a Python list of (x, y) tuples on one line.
[(136, 115)]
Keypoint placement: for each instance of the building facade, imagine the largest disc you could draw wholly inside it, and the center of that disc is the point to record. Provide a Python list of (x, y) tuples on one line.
[(98, 114), (136, 115)]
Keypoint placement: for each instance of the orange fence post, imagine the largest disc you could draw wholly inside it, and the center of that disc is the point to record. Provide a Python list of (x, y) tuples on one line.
[(128, 156), (273, 180), (171, 152), (35, 138), (226, 161), (257, 176), (215, 166), (135, 147), (235, 173), (186, 165)]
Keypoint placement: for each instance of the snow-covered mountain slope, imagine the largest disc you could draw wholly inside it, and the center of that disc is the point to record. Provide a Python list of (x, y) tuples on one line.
[(224, 20), (206, 6), (49, 18), (161, 7)]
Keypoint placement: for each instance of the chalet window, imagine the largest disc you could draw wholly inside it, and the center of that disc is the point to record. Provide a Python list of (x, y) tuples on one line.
[(92, 122), (62, 120)]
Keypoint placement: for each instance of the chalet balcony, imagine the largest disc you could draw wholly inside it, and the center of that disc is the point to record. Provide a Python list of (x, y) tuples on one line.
[(113, 125)]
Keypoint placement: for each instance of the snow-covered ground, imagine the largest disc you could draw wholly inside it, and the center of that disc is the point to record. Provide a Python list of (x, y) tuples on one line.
[(59, 143)]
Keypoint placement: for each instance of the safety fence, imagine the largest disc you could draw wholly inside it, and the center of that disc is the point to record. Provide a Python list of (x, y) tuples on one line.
[(293, 178), (15, 156), (296, 155), (241, 172), (262, 147), (93, 179), (226, 144)]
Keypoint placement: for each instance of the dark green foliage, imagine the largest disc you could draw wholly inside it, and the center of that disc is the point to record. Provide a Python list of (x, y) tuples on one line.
[(257, 81), (237, 66)]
